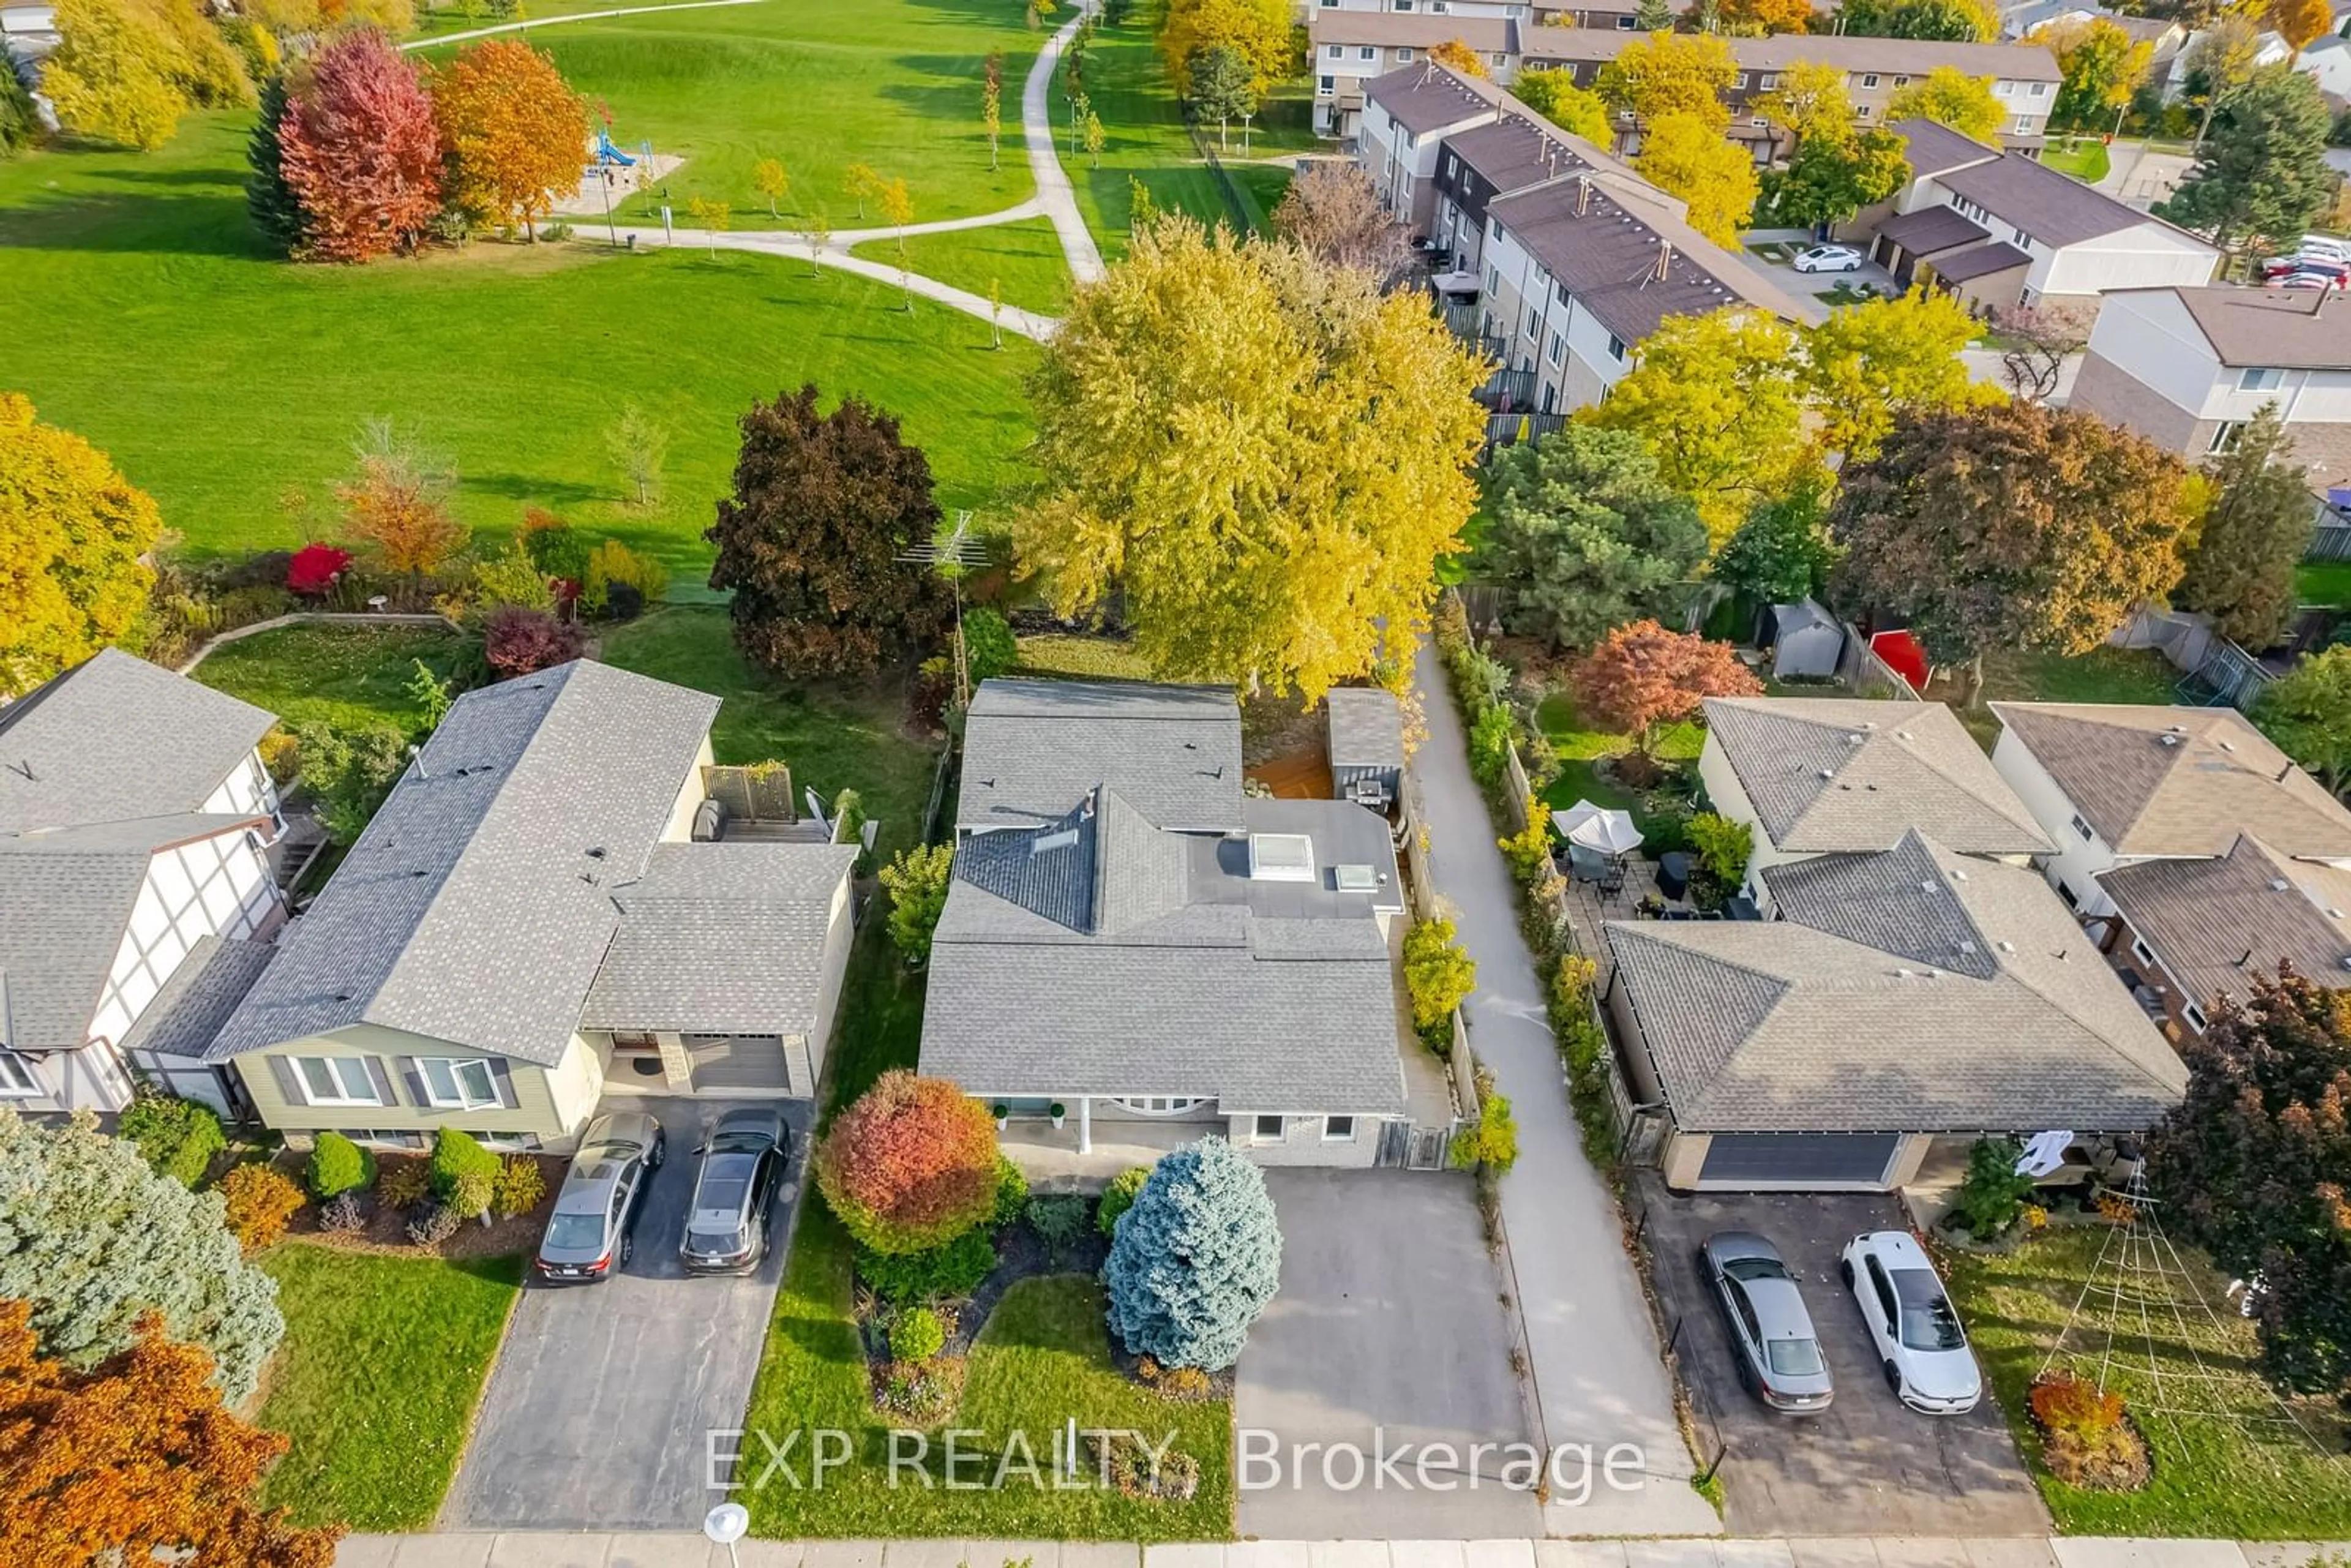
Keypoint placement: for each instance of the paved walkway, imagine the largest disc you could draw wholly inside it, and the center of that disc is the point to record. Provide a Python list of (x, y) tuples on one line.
[(1053, 189), (684, 1551), (1597, 1375)]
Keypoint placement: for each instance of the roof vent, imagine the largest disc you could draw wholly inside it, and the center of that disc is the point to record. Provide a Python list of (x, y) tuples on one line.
[(2169, 738), (1901, 735), (1927, 885), (1853, 740), (2228, 745), (1828, 773), (1868, 724), (1281, 857), (2279, 884), (1905, 974), (2008, 946), (1966, 947), (1958, 875)]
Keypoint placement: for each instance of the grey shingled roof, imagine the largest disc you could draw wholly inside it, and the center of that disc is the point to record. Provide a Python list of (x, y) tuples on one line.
[(722, 937), (1366, 727), (478, 903), (1932, 148), (116, 737), (1932, 229), (2053, 208), (66, 898), (2287, 327), (1426, 97), (2216, 924), (1847, 51), (1487, 35), (1785, 1027), (1834, 775), (2156, 780), (187, 1014), (1033, 748)]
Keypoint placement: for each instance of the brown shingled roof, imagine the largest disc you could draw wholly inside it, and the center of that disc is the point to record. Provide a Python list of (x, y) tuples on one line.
[(1931, 229), (2216, 923), (2290, 328)]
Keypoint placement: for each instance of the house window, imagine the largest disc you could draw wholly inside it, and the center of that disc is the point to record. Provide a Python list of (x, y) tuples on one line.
[(1498, 58), (383, 1138), (2041, 90), (16, 1075), (1452, 167), (1338, 1129), (1900, 82), (1557, 350), (2224, 435), (2073, 900), (1493, 278), (2021, 237), (461, 1083), (1869, 81), (520, 1142), (1268, 1129), (1626, 23), (2024, 125), (2082, 827), (336, 1081), (2195, 1017), (1863, 112), (2261, 378), (1615, 347), (623, 1040), (1534, 323), (1367, 52), (1770, 79), (2141, 951), (1405, 58), (1334, 52), (1440, 5), (1160, 1104), (1330, 82)]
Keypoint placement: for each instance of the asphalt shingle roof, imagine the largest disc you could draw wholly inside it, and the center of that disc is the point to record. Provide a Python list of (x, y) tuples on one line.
[(117, 737), (1932, 229), (2218, 923), (1427, 97), (1786, 1026), (2156, 780), (1832, 774), (721, 937), (2292, 328), (1932, 148), (187, 1014), (1984, 261), (1847, 51), (1366, 727), (1033, 748), (2053, 208), (478, 903)]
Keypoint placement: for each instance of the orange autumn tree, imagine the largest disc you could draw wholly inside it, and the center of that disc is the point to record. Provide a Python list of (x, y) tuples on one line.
[(1642, 676), (135, 1455), (1459, 57), (514, 131), (397, 504)]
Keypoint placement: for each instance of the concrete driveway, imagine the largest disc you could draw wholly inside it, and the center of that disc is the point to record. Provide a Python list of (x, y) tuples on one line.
[(1813, 287), (596, 1410), (1867, 1465), (1389, 1330)]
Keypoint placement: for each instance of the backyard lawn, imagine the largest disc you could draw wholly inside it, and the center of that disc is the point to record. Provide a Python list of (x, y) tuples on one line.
[(2087, 160), (1080, 658), (376, 1384), (834, 737), (2325, 582), (1042, 1360), (1024, 260), (2215, 1474), (340, 674), (1579, 747)]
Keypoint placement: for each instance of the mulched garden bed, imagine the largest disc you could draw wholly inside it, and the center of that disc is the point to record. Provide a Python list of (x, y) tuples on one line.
[(386, 1227)]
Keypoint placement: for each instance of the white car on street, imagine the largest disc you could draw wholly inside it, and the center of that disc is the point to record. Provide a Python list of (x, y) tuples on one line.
[(1920, 1344), (1829, 258)]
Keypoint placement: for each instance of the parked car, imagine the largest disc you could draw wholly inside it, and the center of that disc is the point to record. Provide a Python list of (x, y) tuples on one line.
[(2326, 246), (2280, 265), (735, 1187), (1779, 1359), (1829, 258), (1911, 1321), (2310, 279), (590, 1235)]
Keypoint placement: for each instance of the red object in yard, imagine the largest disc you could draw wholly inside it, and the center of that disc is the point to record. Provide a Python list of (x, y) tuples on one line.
[(1902, 655), (315, 566)]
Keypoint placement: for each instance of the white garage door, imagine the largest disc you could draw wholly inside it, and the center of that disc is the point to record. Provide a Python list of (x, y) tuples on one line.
[(751, 1065), (1764, 1161)]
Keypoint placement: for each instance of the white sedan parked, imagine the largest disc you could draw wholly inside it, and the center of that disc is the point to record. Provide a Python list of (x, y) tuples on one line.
[(1829, 258), (1919, 1341)]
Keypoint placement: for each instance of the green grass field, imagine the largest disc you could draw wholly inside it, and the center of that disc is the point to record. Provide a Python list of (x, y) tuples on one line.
[(220, 379), (1043, 1358), (2324, 582), (2225, 1467), (2087, 162), (344, 675), (1023, 258), (376, 1384), (891, 84)]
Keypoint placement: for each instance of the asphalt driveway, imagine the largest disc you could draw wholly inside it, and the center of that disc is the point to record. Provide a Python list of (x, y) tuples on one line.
[(1389, 1329), (597, 1408), (1867, 1465)]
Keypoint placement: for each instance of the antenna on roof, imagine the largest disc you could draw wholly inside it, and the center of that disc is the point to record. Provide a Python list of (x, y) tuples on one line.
[(416, 755), (1583, 194), (1664, 258), (26, 768)]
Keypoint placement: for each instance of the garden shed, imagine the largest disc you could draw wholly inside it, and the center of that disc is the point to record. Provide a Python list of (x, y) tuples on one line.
[(1805, 642), (1366, 746)]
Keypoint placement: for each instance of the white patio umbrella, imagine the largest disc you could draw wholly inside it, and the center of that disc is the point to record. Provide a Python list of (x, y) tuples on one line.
[(1599, 829)]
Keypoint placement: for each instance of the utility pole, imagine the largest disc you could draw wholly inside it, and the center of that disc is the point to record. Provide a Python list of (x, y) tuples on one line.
[(952, 552)]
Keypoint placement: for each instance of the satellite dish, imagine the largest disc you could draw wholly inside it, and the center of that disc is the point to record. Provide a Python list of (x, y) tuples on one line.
[(727, 1524)]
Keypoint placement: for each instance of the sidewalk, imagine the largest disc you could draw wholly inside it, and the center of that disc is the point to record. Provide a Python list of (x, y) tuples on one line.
[(687, 1551), (1598, 1377)]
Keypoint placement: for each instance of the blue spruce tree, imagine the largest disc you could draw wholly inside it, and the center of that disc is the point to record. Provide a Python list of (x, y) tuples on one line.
[(1195, 1260)]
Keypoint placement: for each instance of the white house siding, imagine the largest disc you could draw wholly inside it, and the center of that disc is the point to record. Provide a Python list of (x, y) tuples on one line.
[(218, 886), (92, 1077), (1302, 1142), (249, 792), (679, 829), (2074, 868), (1524, 305), (1729, 799), (2151, 255), (550, 1103), (839, 936)]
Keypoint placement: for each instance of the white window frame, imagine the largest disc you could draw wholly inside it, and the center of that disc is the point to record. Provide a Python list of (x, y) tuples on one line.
[(1869, 81), (1160, 1104), (2195, 1017), (2082, 827), (2225, 435), (1367, 52), (1556, 350), (459, 1097), (2041, 90), (1257, 1134), (1334, 51), (1406, 58), (2142, 952), (2251, 378), (1330, 84), (1330, 1136), (337, 1069), (17, 1078), (1498, 58), (1615, 347)]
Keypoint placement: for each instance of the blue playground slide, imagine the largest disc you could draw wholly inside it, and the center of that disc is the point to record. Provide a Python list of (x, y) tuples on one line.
[(608, 153)]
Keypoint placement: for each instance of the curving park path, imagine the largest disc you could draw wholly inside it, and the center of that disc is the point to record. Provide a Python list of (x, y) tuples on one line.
[(1055, 199)]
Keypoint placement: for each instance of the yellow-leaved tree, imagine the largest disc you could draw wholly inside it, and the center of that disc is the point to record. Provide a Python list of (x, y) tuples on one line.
[(72, 529), (1454, 54), (1259, 29), (1810, 102), (114, 75), (1872, 363), (1684, 156), (1257, 456), (1672, 73), (514, 131), (1948, 95)]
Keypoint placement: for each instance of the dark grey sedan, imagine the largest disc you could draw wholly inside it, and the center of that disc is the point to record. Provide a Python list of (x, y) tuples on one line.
[(589, 1235), (742, 1165), (1780, 1358)]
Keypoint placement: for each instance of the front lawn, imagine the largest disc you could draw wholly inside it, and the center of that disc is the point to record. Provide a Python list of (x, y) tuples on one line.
[(1042, 1360), (834, 735), (2214, 1476), (341, 673), (376, 1384)]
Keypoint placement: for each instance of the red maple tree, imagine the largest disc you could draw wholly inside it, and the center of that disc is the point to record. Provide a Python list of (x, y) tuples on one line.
[(518, 640), (1642, 676), (315, 566), (360, 149), (911, 1165), (135, 1456)]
